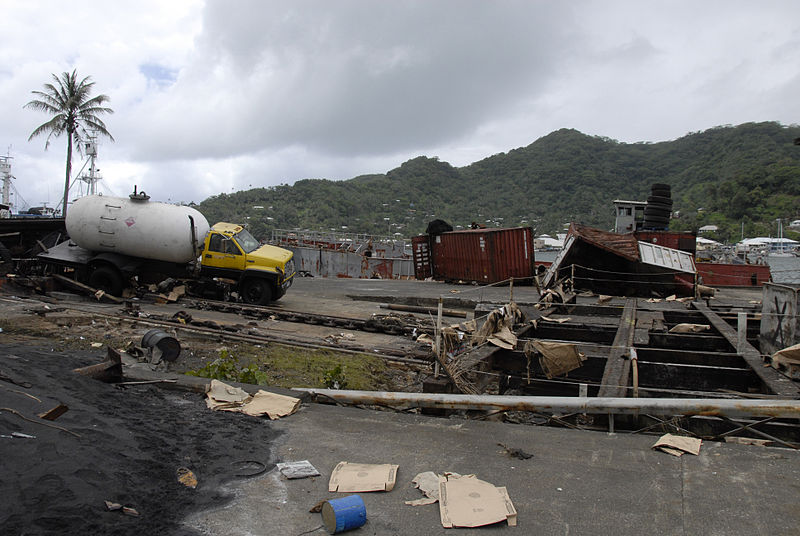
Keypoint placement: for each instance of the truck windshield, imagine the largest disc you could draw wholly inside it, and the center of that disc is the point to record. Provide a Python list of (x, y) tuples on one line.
[(246, 241)]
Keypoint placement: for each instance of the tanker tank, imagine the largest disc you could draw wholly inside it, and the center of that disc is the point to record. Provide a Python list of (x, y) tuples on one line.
[(137, 227)]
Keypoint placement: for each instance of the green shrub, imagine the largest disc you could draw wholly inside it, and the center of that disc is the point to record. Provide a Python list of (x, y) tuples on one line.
[(226, 368)]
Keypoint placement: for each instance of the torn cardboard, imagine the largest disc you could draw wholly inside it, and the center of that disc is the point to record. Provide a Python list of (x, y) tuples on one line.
[(678, 445), (428, 484), (466, 501), (361, 477), (555, 358), (272, 405), (224, 397), (788, 359), (503, 338), (221, 396)]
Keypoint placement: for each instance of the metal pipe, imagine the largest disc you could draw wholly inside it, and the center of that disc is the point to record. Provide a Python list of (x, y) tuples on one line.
[(554, 404)]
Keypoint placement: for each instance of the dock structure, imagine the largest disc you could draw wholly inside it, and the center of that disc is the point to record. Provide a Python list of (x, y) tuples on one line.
[(647, 350)]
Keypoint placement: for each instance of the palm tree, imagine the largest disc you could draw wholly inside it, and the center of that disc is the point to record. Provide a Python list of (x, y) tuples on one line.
[(73, 112)]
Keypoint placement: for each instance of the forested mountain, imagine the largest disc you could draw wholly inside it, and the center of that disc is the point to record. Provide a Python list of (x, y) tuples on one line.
[(727, 176)]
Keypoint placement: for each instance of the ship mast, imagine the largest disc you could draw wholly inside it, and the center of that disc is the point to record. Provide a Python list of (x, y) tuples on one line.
[(5, 175), (93, 176)]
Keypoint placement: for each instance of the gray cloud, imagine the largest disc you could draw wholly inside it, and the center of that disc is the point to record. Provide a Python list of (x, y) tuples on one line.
[(212, 96)]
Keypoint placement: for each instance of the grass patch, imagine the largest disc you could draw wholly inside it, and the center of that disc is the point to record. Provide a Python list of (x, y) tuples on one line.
[(285, 366)]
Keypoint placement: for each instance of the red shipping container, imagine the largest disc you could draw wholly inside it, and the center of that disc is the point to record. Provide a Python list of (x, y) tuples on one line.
[(480, 255), (670, 239)]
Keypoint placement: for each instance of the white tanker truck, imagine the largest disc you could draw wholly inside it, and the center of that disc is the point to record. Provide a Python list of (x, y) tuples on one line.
[(113, 240)]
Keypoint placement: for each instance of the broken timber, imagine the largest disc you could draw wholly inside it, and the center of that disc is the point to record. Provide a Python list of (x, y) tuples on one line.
[(479, 358), (86, 289), (773, 380), (618, 367)]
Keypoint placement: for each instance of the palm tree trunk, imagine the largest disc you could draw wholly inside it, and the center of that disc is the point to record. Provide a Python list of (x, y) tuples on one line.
[(69, 172)]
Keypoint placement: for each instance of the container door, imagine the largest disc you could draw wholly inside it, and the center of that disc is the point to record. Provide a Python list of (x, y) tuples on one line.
[(422, 257)]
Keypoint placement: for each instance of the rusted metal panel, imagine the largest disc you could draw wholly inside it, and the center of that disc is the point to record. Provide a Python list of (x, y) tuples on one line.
[(482, 255), (733, 275), (624, 245), (611, 263), (670, 239), (343, 264), (565, 404)]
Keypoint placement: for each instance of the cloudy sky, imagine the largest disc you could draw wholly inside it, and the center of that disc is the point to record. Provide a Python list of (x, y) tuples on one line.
[(216, 96)]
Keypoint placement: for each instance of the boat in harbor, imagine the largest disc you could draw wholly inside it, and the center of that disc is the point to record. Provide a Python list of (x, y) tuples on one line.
[(782, 247)]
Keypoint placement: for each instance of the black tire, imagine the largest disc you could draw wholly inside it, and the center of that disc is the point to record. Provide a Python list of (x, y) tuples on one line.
[(657, 215), (661, 187), (256, 291), (659, 200), (107, 279)]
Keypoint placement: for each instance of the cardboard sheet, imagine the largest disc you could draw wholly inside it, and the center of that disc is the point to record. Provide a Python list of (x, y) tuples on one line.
[(359, 477), (556, 358), (273, 405), (224, 397), (678, 445), (788, 359), (428, 484), (466, 501), (504, 338)]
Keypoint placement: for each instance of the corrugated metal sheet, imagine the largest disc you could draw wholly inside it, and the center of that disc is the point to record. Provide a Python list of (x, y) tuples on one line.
[(480, 255), (624, 245), (671, 259), (611, 263), (330, 263)]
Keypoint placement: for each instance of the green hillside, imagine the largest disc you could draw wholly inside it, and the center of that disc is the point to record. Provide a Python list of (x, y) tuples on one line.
[(727, 176)]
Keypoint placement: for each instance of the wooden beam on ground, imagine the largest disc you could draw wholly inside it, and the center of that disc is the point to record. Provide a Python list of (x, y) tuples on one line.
[(86, 289), (618, 368), (774, 381)]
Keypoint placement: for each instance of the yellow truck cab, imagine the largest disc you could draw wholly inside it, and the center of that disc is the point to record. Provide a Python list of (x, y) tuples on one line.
[(264, 273)]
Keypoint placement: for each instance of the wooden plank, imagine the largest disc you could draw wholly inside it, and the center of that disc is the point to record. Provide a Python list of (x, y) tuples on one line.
[(618, 367), (774, 381), (85, 288)]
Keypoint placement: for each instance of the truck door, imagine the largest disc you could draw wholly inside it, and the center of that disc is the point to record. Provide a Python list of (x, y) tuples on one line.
[(223, 254)]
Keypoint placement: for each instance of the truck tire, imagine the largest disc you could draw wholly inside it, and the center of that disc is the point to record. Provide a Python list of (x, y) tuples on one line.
[(107, 279), (256, 291)]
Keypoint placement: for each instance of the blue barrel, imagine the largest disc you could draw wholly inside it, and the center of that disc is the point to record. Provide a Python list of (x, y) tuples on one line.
[(343, 514)]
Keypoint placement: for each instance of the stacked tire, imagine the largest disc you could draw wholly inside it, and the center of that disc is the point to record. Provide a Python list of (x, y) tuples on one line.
[(659, 207)]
